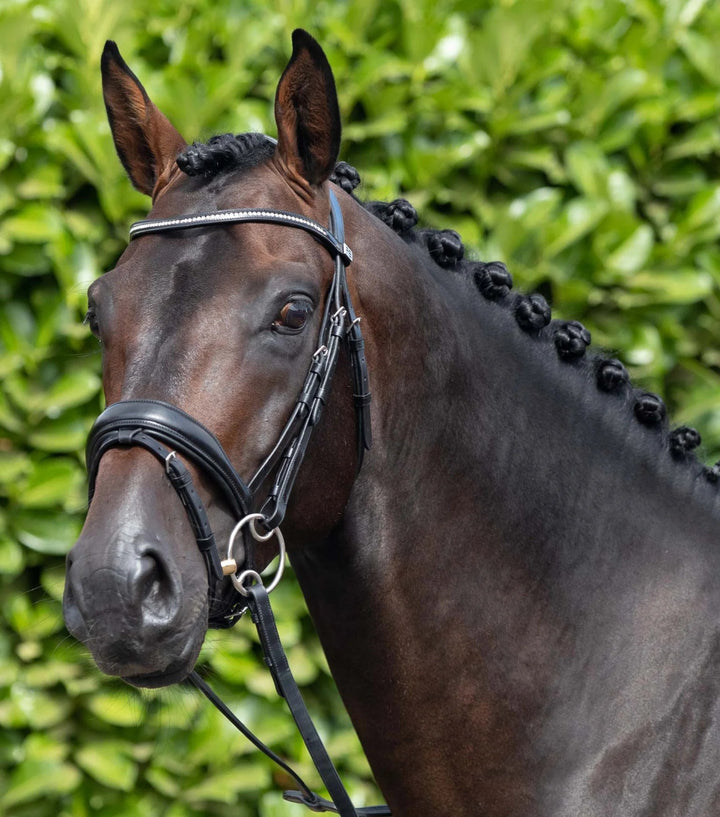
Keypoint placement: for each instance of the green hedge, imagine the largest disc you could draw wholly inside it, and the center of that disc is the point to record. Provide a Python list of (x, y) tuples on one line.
[(577, 141)]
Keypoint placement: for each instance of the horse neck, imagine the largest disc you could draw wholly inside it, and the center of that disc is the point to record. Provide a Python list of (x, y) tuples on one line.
[(504, 501)]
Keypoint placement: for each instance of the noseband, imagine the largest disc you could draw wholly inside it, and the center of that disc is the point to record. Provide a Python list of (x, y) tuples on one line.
[(166, 431)]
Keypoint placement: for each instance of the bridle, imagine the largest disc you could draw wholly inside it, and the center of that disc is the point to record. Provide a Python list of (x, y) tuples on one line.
[(166, 431)]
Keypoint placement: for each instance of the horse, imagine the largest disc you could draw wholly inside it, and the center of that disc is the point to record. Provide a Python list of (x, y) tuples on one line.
[(516, 585)]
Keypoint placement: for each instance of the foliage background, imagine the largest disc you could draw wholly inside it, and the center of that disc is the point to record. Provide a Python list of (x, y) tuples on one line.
[(577, 140)]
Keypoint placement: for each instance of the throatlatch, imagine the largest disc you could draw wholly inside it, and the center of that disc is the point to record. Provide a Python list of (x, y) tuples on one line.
[(154, 425)]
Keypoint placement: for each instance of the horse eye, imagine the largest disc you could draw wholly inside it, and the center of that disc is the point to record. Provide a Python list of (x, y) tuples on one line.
[(90, 320), (294, 315)]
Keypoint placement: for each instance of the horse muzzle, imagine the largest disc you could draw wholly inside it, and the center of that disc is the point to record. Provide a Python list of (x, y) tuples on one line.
[(134, 595)]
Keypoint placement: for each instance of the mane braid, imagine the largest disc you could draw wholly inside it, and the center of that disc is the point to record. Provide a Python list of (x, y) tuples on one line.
[(225, 152), (492, 280), (532, 315)]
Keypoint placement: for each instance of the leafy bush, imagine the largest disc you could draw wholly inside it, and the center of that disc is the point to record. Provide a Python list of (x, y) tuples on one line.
[(575, 140)]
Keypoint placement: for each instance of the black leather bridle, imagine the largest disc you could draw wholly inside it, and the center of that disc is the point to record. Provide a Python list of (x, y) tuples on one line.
[(165, 430)]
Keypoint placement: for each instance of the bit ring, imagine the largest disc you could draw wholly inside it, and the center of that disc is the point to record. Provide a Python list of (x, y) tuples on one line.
[(238, 579)]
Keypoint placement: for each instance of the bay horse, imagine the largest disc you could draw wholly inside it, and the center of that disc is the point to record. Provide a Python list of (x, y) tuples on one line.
[(517, 586)]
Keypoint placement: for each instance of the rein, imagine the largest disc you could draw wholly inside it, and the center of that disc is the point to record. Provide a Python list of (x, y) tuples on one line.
[(165, 430)]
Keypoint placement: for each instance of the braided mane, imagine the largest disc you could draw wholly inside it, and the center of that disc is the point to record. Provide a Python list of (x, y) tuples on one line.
[(493, 281)]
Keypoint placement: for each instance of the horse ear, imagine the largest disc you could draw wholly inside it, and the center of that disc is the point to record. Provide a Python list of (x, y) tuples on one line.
[(307, 113), (145, 140)]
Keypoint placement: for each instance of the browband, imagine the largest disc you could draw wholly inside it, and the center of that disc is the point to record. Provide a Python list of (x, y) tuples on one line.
[(323, 235)]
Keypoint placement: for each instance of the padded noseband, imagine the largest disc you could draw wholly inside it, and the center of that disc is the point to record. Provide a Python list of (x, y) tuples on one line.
[(119, 424)]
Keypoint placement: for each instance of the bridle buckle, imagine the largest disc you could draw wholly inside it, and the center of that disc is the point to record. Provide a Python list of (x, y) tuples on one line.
[(170, 457)]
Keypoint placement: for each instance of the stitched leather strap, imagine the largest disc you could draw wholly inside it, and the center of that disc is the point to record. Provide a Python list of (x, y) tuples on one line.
[(306, 792), (172, 426), (287, 688), (123, 437), (157, 225), (356, 343), (275, 658), (305, 796)]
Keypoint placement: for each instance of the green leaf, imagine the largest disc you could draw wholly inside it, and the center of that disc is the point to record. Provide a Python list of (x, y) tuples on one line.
[(588, 168), (53, 581), (33, 224), (66, 433), (679, 286), (702, 140), (231, 666), (38, 780), (303, 667), (73, 388), (273, 805), (49, 673), (180, 711), (27, 260), (32, 619), (19, 327), (702, 53), (9, 419), (120, 707), (33, 708), (704, 209), (633, 253), (577, 219), (46, 532), (620, 88), (13, 466), (535, 209), (44, 183), (224, 787), (50, 482), (11, 557), (164, 782), (110, 762)]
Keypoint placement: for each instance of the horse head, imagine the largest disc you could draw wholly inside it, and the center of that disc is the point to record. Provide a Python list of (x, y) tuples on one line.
[(215, 327)]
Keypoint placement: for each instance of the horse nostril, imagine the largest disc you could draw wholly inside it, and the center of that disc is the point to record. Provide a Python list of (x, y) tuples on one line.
[(155, 590), (71, 611), (151, 578)]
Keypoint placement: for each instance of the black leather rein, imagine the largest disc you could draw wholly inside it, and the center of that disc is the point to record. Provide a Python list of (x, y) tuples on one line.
[(166, 431)]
